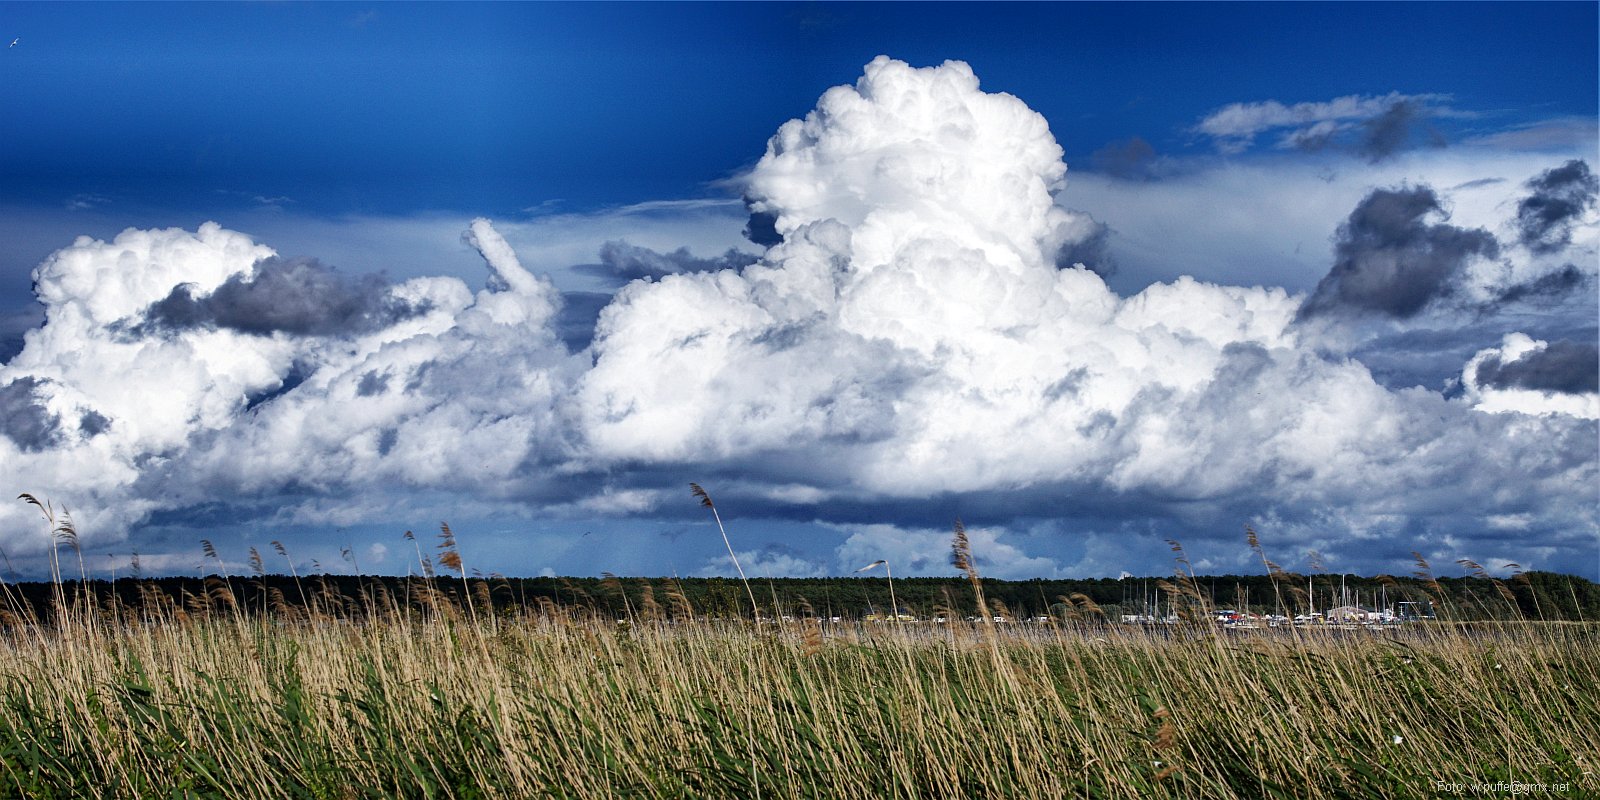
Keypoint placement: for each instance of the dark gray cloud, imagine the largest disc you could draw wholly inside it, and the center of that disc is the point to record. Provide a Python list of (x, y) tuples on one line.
[(298, 296), (24, 418), (622, 262), (1390, 260), (1399, 127), (1559, 197), (1566, 366), (1545, 288), (93, 423), (1477, 184)]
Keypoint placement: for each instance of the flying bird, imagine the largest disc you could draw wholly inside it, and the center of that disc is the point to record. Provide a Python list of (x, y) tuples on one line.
[(13, 42)]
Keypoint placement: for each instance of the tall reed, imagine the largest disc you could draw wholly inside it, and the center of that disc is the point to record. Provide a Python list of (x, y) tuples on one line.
[(377, 696)]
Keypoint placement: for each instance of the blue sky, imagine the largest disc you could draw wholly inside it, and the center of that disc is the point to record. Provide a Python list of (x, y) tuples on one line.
[(497, 107), (1297, 148)]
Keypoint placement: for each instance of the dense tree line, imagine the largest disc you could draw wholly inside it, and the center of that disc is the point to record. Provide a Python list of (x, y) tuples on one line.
[(1533, 595)]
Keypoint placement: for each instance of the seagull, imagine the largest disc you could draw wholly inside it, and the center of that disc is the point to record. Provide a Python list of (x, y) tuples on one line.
[(13, 42)]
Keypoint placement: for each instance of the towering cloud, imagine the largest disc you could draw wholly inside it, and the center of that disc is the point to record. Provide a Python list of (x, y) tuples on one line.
[(913, 337)]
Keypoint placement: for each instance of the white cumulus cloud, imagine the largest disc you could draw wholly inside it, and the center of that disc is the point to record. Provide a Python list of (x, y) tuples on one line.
[(1521, 384)]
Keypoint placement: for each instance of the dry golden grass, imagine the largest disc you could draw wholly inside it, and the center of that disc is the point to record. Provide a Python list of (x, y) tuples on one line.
[(417, 693), (398, 704)]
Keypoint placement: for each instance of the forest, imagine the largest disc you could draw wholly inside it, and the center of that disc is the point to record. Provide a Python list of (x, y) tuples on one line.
[(1529, 595)]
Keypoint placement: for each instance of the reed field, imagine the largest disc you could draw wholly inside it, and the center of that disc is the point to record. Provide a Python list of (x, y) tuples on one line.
[(432, 694), (556, 706)]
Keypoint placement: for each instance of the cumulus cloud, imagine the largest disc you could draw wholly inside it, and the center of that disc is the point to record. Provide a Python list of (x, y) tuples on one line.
[(1391, 258), (1559, 198), (1375, 127), (772, 561), (926, 551), (1566, 366), (505, 269), (264, 374), (917, 263), (148, 396), (1530, 376), (918, 330), (462, 396)]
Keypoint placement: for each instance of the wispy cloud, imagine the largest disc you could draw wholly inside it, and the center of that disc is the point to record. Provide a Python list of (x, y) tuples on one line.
[(86, 202), (1559, 134), (258, 199), (652, 206), (1373, 126)]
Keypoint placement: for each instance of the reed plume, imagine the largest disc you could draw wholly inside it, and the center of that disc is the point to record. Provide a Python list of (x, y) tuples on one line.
[(961, 558), (705, 500), (450, 557)]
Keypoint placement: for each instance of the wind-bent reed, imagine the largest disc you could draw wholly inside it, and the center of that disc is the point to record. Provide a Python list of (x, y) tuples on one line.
[(564, 703), (379, 696)]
